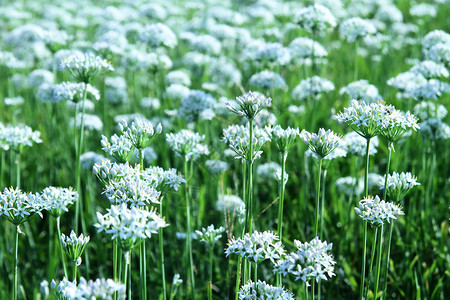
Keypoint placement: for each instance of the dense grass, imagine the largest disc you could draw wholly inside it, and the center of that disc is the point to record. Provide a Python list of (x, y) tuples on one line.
[(419, 253)]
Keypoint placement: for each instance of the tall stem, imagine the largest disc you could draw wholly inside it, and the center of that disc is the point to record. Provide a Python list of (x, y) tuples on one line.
[(78, 150), (316, 226), (366, 169), (387, 171), (211, 252), (280, 206), (238, 278), (75, 267), (16, 251), (61, 251), (161, 251), (188, 230), (127, 273), (384, 295), (377, 277), (363, 268), (250, 179), (142, 250), (322, 204), (372, 257)]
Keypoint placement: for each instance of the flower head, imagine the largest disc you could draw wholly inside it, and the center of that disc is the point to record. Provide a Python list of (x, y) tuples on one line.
[(312, 87), (86, 67), (249, 105), (210, 235), (238, 139), (256, 247), (16, 137), (398, 185), (17, 207), (310, 261), (119, 147), (356, 28), (322, 143), (158, 35), (397, 123), (261, 290), (187, 143), (99, 289), (140, 133), (284, 139), (57, 200), (376, 211), (315, 18), (74, 246)]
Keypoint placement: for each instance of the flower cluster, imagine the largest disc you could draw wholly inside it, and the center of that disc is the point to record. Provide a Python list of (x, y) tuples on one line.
[(430, 69), (257, 247), (16, 137), (231, 204), (429, 109), (376, 211), (311, 261), (86, 67), (284, 139), (261, 290), (349, 185), (397, 123), (57, 200), (196, 105), (210, 235), (159, 178), (356, 28), (238, 139), (355, 144), (435, 129), (312, 87), (398, 185), (107, 171), (99, 289), (17, 207), (362, 90), (322, 143), (129, 226), (303, 48), (267, 80), (216, 166), (140, 132), (68, 91), (249, 105), (187, 143), (119, 147), (315, 18), (368, 120), (74, 246), (158, 35)]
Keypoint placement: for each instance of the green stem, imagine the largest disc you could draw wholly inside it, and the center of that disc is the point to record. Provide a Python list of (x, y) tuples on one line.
[(142, 250), (75, 270), (377, 278), (18, 169), (161, 250), (281, 203), (366, 169), (363, 268), (387, 171), (61, 251), (211, 252), (313, 288), (238, 278), (372, 257), (16, 246), (188, 231), (250, 179), (127, 275), (322, 204), (391, 227), (316, 226), (79, 149)]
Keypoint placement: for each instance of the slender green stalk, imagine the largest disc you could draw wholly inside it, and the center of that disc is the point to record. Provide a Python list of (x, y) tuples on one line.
[(244, 197), (75, 269), (142, 250), (115, 263), (188, 230), (250, 180), (322, 206), (366, 169), (281, 201), (363, 268), (161, 250), (209, 290), (372, 257), (211, 252), (127, 273), (316, 226), (238, 278), (16, 251), (61, 251), (313, 287), (78, 150), (377, 277), (2, 168)]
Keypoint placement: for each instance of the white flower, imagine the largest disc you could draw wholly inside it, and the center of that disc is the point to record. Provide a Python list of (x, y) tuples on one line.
[(398, 185), (86, 67), (158, 35), (159, 178), (257, 247), (262, 291), (16, 137), (119, 147), (430, 69), (322, 143), (17, 207), (356, 144), (210, 235), (310, 261), (249, 105), (315, 18), (312, 87), (376, 211), (99, 289), (187, 143), (140, 133), (231, 205), (427, 109), (355, 28), (57, 200), (238, 139), (194, 104), (267, 80), (74, 246), (361, 90), (129, 226), (284, 139)]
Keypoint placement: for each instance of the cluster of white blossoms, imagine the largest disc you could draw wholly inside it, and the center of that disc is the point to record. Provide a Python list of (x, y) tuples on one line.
[(99, 289), (196, 105), (429, 109), (231, 205), (312, 87), (57, 200), (210, 235), (86, 67), (159, 178), (368, 120), (238, 139), (355, 28), (302, 48), (216, 166), (16, 137), (376, 211), (430, 69), (262, 290), (257, 247), (267, 80), (435, 129), (436, 46), (140, 133), (129, 226), (284, 139), (118, 147), (271, 170), (355, 144), (106, 170), (399, 184), (249, 105), (362, 90), (315, 18), (322, 143), (311, 261), (89, 121), (158, 35), (187, 143), (349, 185), (132, 189), (74, 246), (397, 123), (67, 91), (17, 207)]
